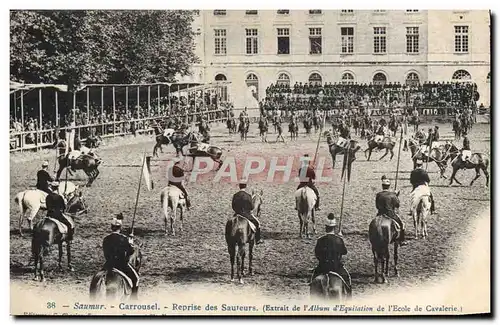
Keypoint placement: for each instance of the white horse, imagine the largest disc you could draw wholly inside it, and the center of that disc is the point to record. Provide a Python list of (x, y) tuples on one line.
[(420, 209), (172, 197), (305, 200), (33, 200)]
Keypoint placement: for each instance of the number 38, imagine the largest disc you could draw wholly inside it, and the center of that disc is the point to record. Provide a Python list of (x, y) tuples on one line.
[(51, 305)]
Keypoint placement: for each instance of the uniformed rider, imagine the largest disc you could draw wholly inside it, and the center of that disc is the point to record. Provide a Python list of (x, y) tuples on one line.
[(176, 178), (329, 251), (420, 177), (56, 205), (242, 204), (43, 178), (465, 152), (387, 203), (307, 177), (117, 250)]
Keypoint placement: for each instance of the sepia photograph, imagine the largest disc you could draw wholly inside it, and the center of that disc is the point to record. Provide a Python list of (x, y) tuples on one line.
[(268, 162)]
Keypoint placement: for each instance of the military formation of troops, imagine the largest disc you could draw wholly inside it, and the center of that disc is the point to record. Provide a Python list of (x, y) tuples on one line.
[(329, 249)]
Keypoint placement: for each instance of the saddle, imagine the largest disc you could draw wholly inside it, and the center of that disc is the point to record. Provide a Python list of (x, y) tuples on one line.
[(63, 229), (252, 226), (418, 193), (378, 138), (342, 142)]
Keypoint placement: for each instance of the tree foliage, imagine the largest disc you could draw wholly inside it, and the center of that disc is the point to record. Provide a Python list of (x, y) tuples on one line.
[(100, 46)]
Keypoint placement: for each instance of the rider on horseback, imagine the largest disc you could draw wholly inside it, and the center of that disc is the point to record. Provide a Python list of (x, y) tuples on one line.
[(465, 153), (420, 177), (175, 178), (307, 177), (242, 204), (117, 250), (329, 250), (56, 206), (43, 178), (387, 202)]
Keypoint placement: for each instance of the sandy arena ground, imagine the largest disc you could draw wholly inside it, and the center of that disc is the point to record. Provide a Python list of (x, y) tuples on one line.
[(199, 255)]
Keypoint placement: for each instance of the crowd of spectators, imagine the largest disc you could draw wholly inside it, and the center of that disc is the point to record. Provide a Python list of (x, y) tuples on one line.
[(309, 96), (125, 120)]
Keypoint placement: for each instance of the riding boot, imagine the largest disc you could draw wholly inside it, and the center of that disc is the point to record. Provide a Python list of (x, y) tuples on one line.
[(402, 238), (188, 203), (316, 206), (258, 239), (433, 207)]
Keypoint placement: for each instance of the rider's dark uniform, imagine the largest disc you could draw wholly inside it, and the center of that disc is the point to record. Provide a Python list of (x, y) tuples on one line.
[(387, 202), (308, 181), (55, 208), (42, 180), (117, 251), (329, 250), (419, 177), (178, 174), (242, 204)]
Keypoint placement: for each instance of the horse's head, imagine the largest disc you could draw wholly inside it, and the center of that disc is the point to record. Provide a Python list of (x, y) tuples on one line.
[(77, 204)]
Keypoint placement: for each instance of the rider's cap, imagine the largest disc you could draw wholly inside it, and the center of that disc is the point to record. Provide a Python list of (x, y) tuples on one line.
[(117, 221), (385, 180), (330, 220), (45, 164)]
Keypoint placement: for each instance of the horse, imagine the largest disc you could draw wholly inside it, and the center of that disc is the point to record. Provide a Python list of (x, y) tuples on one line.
[(263, 128), (356, 125), (33, 200), (293, 129), (162, 137), (316, 122), (239, 232), (335, 149), (279, 129), (88, 163), (329, 286), (382, 232), (420, 210), (46, 233), (477, 161), (111, 283), (457, 129), (173, 198), (308, 125), (243, 128), (387, 143), (93, 141), (305, 200), (436, 155), (215, 153), (231, 125)]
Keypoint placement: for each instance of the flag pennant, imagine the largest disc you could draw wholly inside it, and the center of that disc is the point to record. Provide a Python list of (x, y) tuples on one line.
[(146, 172)]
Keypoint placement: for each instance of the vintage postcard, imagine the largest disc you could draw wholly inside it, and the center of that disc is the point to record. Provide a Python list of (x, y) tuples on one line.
[(250, 162)]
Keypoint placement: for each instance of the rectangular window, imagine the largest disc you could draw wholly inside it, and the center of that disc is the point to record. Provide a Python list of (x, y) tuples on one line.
[(283, 12), (348, 11), (347, 35), (315, 41), (252, 41), (283, 41), (220, 42), (411, 39), (251, 12), (218, 12), (379, 40), (315, 12), (461, 39)]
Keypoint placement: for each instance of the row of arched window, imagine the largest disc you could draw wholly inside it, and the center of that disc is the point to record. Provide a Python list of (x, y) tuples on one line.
[(379, 78)]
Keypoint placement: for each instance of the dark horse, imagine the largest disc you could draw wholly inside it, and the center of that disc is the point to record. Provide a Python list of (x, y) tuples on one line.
[(293, 129), (457, 129), (393, 126), (387, 143), (87, 163), (383, 232), (46, 233), (263, 128), (440, 157), (111, 284), (243, 128), (335, 150), (415, 121), (477, 161), (231, 125), (178, 139), (238, 233)]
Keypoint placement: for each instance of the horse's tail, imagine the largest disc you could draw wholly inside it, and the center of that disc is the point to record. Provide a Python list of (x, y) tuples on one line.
[(40, 242), (96, 284)]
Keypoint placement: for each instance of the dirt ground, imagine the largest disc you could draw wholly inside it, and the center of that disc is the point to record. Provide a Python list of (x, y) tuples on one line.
[(199, 255)]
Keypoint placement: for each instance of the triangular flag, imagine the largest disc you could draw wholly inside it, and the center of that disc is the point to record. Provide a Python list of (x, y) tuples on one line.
[(146, 171)]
